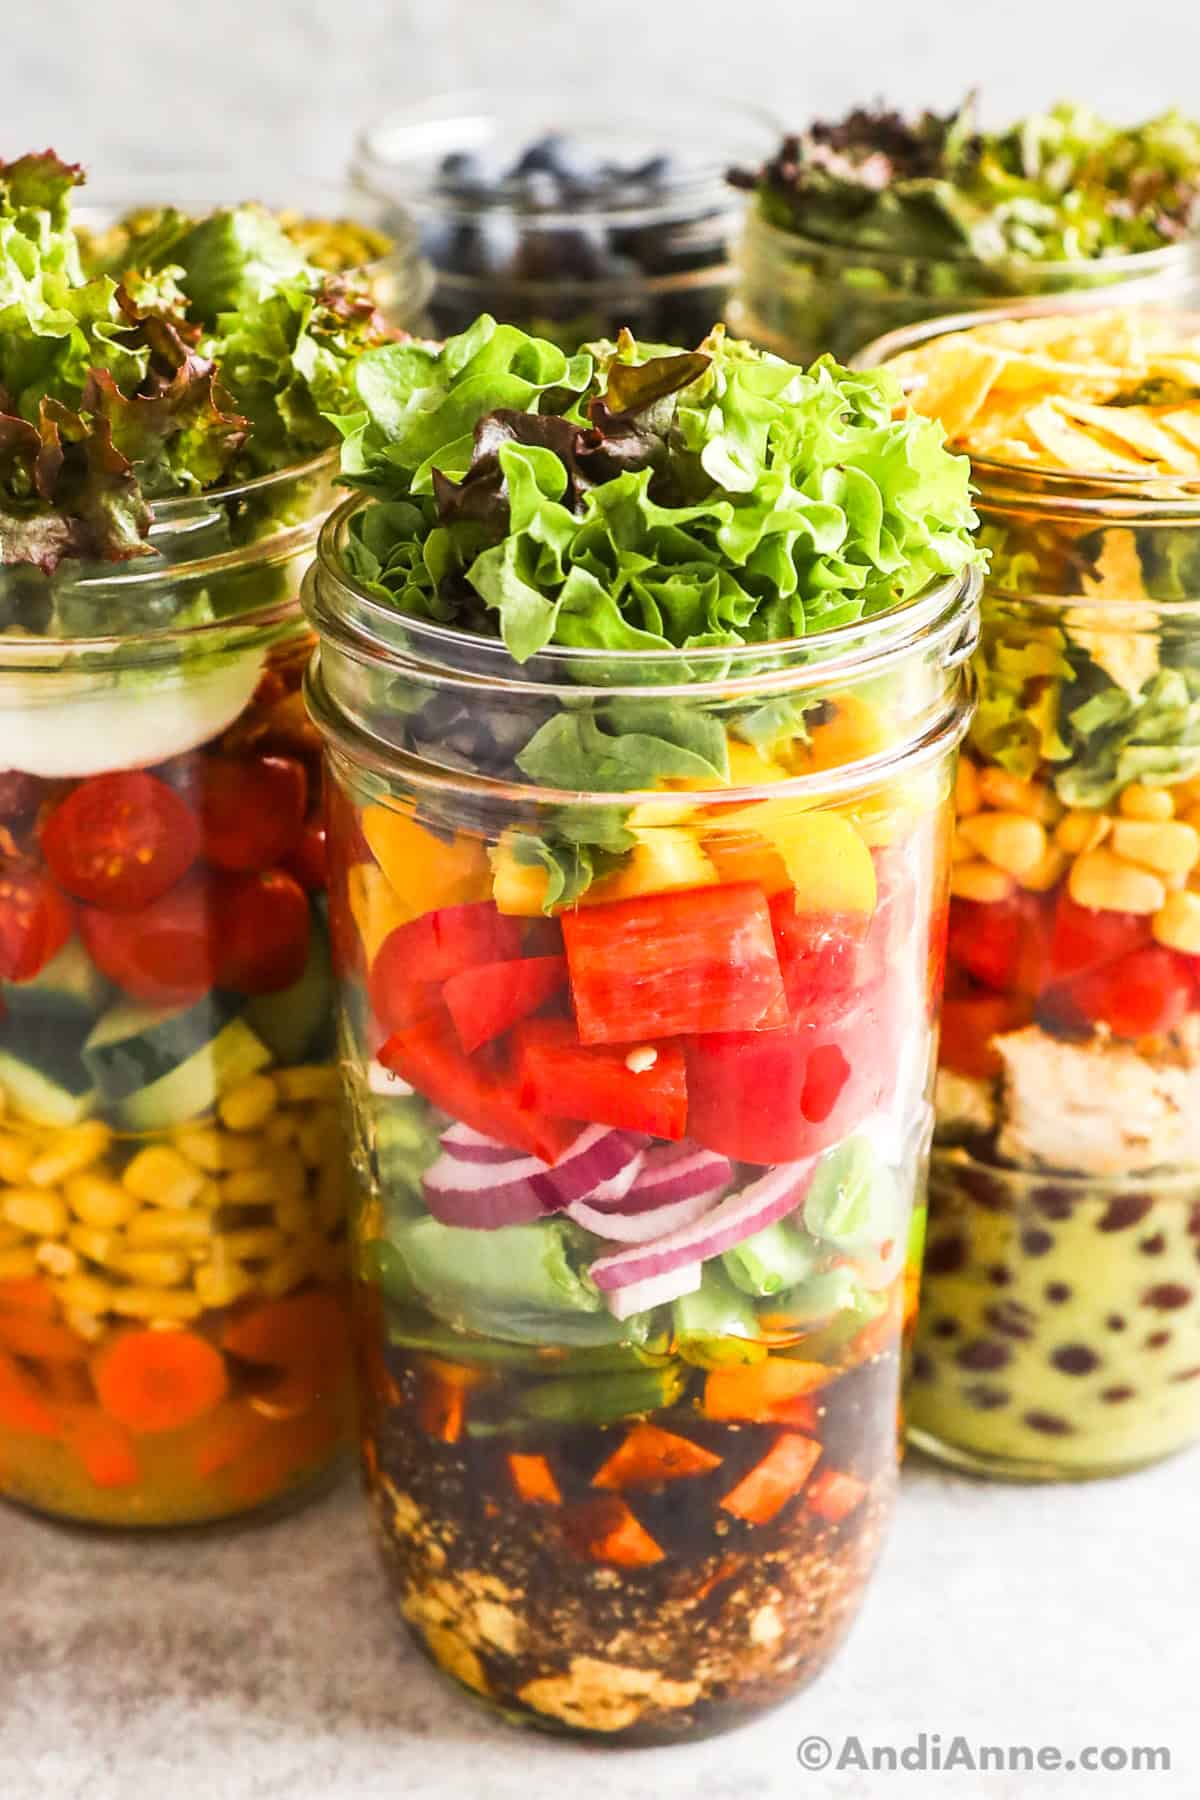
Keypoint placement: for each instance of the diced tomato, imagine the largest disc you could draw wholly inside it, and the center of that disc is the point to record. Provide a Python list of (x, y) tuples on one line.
[(970, 1022), (485, 1002), (1139, 995), (663, 965), (650, 1457), (608, 1531), (309, 861), (1003, 943), (834, 1495), (120, 840), (263, 925), (429, 1056), (533, 1479), (251, 809), (35, 920), (776, 1096), (1085, 937), (818, 953), (773, 1481), (602, 1084), (164, 953)]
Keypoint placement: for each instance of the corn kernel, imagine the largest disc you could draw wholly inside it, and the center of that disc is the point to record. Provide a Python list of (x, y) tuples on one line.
[(1167, 846), (81, 1292), (1177, 923), (960, 850), (308, 1082), (96, 1244), (1107, 883), (290, 1175), (57, 1259), (1007, 840), (217, 1285), (85, 1325), (281, 1128), (97, 1201), (248, 1187), (42, 1214), (162, 1176), (286, 1272), (257, 1243), (979, 881), (249, 1105), (293, 1213), (310, 1141), (73, 1151), (217, 1152), (1141, 802), (1009, 793), (155, 1268), (156, 1303), (170, 1230), (1082, 830), (16, 1154), (1048, 873), (966, 788), (18, 1264)]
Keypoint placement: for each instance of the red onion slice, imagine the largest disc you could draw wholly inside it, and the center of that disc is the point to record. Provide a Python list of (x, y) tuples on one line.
[(484, 1196), (465, 1144), (655, 1290), (599, 1161), (640, 1227), (672, 1172), (480, 1184), (729, 1222)]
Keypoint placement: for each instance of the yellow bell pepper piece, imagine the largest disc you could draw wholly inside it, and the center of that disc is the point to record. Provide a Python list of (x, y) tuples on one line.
[(376, 910), (519, 889), (857, 728), (743, 856), (748, 767), (424, 871), (661, 860), (827, 862)]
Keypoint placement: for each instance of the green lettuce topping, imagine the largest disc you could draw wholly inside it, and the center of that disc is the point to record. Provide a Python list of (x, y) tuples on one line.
[(641, 497), (219, 355), (1065, 185)]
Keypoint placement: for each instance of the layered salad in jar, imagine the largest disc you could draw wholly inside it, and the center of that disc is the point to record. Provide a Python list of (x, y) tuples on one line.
[(639, 960), (1060, 1331), (172, 1256), (860, 225)]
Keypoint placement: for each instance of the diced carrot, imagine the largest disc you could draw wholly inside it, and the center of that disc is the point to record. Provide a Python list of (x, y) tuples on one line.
[(772, 1482), (441, 1409), (40, 1339), (30, 1295), (307, 1331), (459, 1375), (105, 1449), (22, 1407), (296, 1448), (534, 1480), (233, 1432), (155, 1381), (803, 1412), (833, 1494), (68, 1384), (606, 1530), (756, 1390), (650, 1457)]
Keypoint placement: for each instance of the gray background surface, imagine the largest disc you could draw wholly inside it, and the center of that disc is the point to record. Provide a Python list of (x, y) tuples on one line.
[(277, 85)]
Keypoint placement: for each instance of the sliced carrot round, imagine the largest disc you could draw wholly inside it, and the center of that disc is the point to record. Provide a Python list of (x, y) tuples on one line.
[(159, 1380), (105, 1449)]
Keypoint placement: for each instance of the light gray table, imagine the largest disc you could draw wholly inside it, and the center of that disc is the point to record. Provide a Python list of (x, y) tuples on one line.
[(266, 1662)]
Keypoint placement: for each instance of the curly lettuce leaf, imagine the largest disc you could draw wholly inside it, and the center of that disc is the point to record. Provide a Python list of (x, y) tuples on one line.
[(748, 501)]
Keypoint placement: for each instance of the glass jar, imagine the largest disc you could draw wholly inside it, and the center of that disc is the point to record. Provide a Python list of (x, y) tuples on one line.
[(173, 1319), (1060, 1325), (341, 229), (567, 262), (801, 298), (635, 1245)]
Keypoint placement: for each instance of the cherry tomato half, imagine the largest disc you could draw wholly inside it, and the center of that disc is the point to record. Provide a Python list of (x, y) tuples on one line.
[(1003, 943), (309, 862), (163, 953), (120, 840), (262, 944), (35, 921), (1141, 994), (251, 809)]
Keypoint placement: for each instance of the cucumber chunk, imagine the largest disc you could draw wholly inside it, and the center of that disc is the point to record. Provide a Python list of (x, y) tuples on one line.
[(133, 1046), (43, 1075), (192, 1087), (298, 1021), (70, 987)]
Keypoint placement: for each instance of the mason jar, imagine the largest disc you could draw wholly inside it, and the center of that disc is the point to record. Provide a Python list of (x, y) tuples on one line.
[(558, 249), (801, 298), (173, 1282), (340, 229), (1060, 1327), (637, 1143)]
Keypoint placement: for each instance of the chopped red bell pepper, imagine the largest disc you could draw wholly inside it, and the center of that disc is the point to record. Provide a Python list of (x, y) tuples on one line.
[(1003, 943), (834, 1495), (1139, 995), (663, 965), (484, 1002), (556, 1074), (776, 1096), (484, 1096), (415, 959), (818, 953), (606, 1530)]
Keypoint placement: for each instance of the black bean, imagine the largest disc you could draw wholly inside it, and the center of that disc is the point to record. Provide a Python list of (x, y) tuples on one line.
[(1049, 1424), (999, 1275), (1010, 1320), (1036, 1243), (1113, 1396), (1153, 1246), (1168, 1296), (944, 1328), (1158, 1340), (983, 1353), (1124, 1211), (1074, 1359), (1053, 1202), (1187, 1375), (985, 1397), (922, 1366), (945, 1255), (1057, 1292)]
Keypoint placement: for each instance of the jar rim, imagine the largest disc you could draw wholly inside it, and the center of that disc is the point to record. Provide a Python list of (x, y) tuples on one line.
[(392, 152), (938, 611), (948, 1159), (1070, 493)]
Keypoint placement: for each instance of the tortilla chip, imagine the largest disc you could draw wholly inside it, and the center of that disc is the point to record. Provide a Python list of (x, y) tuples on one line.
[(1132, 428), (1067, 447), (952, 383)]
